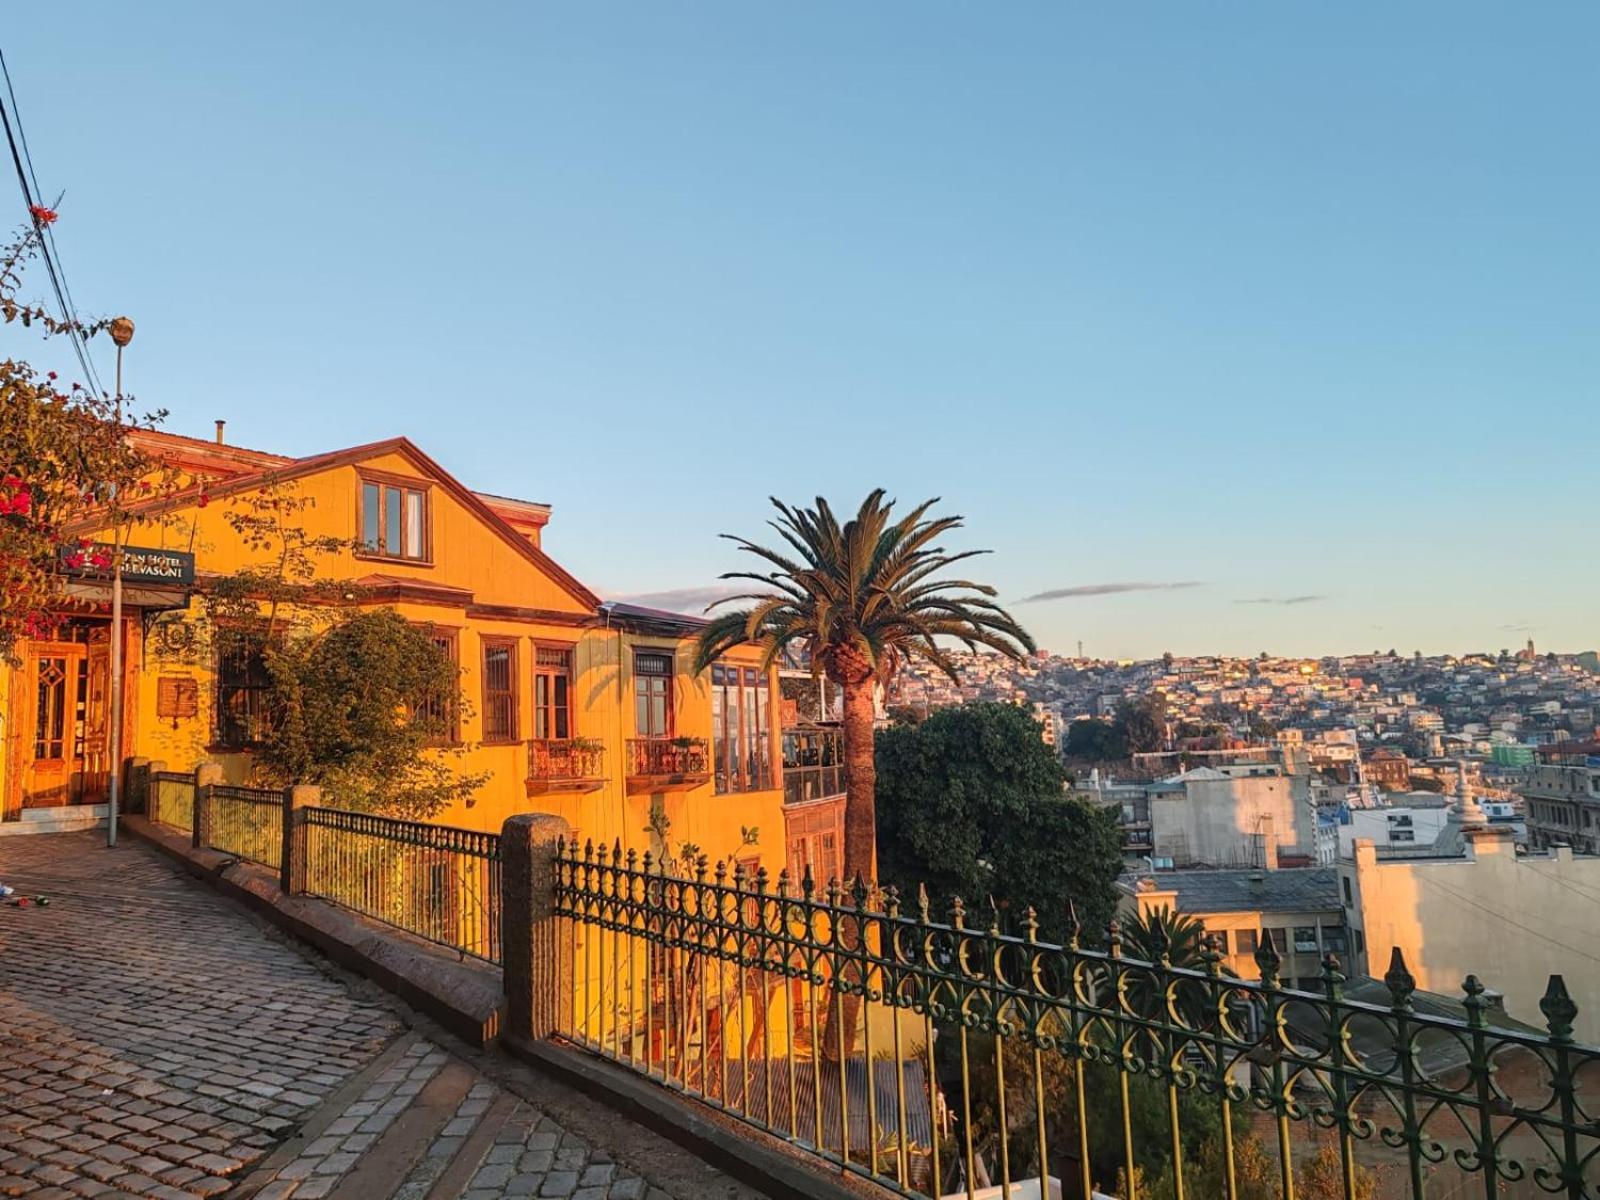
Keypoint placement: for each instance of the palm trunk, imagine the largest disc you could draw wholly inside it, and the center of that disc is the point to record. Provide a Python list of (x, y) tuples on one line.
[(860, 855), (861, 777)]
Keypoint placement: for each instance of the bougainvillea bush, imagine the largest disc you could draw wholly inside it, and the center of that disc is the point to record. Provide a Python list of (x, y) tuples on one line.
[(65, 462)]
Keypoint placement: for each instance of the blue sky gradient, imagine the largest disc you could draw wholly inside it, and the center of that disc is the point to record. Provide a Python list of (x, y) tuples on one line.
[(1295, 305)]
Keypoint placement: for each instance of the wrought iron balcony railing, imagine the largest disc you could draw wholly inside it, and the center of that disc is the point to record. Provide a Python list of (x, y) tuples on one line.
[(565, 765), (668, 764)]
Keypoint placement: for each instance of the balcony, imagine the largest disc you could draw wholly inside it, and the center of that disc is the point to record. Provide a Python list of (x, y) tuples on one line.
[(801, 785), (565, 765), (668, 764)]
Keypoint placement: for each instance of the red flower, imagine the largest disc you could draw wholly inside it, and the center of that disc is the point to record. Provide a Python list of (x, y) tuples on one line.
[(202, 500), (43, 215), (100, 559), (50, 374)]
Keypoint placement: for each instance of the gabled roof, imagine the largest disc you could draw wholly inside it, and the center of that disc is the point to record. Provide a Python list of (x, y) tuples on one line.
[(284, 471)]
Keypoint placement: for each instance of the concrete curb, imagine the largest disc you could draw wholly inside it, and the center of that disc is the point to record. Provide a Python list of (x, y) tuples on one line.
[(736, 1150), (467, 998)]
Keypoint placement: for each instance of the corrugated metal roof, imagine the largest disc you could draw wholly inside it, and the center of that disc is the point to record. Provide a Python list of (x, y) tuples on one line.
[(1288, 890)]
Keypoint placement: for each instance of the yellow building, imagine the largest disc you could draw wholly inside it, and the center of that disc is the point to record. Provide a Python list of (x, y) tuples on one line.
[(571, 706), (1296, 908)]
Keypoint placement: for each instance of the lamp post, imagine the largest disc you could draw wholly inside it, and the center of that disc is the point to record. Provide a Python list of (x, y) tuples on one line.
[(121, 334)]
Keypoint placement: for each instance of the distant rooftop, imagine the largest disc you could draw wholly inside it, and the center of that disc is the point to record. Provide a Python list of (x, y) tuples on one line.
[(1250, 890)]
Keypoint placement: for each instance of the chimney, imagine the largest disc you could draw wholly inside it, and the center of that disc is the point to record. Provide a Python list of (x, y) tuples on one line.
[(1266, 830), (1490, 839), (220, 425)]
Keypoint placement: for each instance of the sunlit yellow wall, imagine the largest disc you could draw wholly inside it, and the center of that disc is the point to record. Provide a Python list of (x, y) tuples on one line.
[(468, 554)]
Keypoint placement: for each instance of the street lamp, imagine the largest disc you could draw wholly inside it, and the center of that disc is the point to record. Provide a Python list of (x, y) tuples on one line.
[(121, 334)]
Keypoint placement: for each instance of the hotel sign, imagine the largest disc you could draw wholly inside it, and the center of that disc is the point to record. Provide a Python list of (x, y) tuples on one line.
[(140, 564)]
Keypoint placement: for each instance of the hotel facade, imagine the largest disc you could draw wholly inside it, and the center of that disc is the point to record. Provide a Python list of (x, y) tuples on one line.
[(568, 705)]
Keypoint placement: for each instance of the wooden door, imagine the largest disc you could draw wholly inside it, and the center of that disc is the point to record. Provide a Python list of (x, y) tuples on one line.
[(95, 752), (65, 723)]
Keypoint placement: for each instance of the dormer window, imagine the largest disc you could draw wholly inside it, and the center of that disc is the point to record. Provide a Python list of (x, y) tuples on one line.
[(394, 520)]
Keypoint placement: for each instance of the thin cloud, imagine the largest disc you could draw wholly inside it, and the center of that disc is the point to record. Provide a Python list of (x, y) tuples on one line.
[(1280, 600), (1107, 589), (692, 600)]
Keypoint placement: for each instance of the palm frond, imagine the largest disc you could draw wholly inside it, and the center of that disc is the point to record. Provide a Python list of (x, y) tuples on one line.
[(876, 586)]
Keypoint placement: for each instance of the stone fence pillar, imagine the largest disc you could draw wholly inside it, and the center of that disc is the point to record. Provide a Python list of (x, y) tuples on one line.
[(296, 799), (205, 775), (136, 789), (537, 979)]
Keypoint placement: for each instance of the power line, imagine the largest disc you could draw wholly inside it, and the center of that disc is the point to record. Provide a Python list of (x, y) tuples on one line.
[(32, 197), (1540, 934)]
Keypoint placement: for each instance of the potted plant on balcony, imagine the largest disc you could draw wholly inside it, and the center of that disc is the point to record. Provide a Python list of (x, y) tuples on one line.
[(586, 756), (682, 760)]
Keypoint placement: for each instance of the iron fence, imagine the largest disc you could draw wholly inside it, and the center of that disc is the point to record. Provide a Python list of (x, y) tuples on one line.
[(247, 822), (172, 799), (435, 881), (562, 760), (669, 756), (940, 1057)]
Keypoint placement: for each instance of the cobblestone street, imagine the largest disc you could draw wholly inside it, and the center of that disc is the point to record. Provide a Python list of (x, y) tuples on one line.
[(156, 1040)]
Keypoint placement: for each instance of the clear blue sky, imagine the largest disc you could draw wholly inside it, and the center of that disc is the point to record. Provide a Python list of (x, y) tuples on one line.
[(1289, 302)]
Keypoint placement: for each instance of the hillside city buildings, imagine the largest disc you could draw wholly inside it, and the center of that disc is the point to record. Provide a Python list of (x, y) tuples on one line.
[(1447, 807)]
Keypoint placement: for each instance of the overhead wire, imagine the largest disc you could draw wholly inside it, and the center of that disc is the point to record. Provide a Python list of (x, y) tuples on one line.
[(33, 197)]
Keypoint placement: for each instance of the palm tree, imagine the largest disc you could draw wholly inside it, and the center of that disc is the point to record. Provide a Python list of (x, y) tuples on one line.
[(861, 599)]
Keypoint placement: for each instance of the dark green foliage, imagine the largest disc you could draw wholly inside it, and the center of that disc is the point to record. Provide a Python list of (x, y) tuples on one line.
[(1177, 935), (1143, 723), (1095, 740), (970, 803), (1140, 726), (352, 713)]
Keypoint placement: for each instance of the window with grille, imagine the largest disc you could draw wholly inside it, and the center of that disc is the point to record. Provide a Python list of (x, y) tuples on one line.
[(243, 688), (441, 712), (499, 690), (394, 520), (552, 692), (652, 694), (741, 728)]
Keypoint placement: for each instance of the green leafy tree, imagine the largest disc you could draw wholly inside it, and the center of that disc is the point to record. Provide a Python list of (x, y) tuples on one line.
[(1255, 1172), (360, 709), (970, 804), (1094, 740), (1321, 1177), (861, 598), (1261, 727), (1142, 723)]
